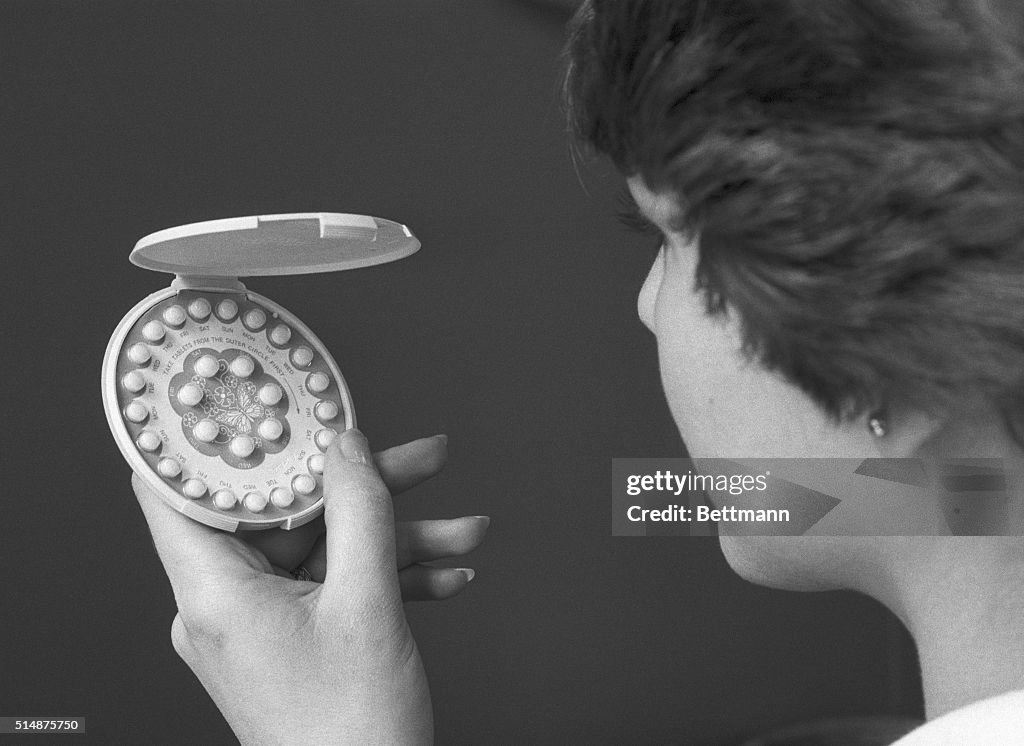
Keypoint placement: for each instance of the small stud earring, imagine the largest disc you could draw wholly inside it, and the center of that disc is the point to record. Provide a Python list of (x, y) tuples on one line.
[(877, 425)]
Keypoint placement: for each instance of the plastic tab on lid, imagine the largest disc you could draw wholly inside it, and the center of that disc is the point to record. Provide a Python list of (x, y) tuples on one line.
[(289, 244)]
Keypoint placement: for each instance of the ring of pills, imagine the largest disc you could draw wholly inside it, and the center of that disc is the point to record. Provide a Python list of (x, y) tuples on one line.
[(324, 438), (149, 441), (304, 484), (169, 468), (174, 315), (254, 320), (193, 488), (139, 354), (255, 502), (316, 463), (200, 309), (318, 382), (280, 335), (133, 381), (281, 498), (302, 357), (136, 412), (227, 310), (153, 332), (231, 403), (326, 411), (224, 499)]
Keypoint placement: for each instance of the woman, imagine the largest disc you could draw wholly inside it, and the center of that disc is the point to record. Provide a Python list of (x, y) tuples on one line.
[(838, 191)]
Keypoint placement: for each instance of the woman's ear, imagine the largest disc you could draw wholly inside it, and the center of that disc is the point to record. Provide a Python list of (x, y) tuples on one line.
[(902, 432)]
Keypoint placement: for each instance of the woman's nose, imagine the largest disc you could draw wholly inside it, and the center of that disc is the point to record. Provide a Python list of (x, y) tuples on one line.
[(649, 292)]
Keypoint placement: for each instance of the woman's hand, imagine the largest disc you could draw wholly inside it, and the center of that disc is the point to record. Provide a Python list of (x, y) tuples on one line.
[(291, 661), (402, 468)]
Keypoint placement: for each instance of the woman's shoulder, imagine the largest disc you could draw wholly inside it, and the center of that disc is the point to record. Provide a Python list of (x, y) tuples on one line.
[(997, 720)]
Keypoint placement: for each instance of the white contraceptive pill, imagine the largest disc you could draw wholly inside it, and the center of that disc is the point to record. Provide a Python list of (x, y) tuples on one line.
[(324, 438), (302, 357), (139, 354), (271, 429), (193, 488), (153, 332), (136, 412), (326, 410), (318, 382), (191, 394), (255, 319), (222, 401), (206, 366), (280, 334), (133, 381), (174, 315), (227, 310), (242, 366), (200, 309)]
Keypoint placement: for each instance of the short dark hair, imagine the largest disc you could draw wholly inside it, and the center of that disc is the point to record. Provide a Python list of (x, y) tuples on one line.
[(855, 170)]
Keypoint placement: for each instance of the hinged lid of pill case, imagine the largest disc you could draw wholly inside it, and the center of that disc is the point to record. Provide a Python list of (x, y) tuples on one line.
[(289, 244)]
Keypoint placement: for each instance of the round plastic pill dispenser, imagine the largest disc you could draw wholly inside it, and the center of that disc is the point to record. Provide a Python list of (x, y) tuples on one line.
[(221, 400)]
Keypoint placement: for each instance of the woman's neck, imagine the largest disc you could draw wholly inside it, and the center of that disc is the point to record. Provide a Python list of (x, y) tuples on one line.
[(962, 598)]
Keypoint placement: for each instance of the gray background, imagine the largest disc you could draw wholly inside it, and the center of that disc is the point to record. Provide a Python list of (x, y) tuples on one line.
[(513, 331)]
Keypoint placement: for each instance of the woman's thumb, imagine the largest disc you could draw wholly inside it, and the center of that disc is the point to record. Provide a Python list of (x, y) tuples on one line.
[(360, 520)]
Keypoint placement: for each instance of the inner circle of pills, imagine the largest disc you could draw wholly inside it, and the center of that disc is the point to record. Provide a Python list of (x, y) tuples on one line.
[(248, 389), (191, 394), (206, 431), (207, 366), (271, 394), (242, 366), (271, 429)]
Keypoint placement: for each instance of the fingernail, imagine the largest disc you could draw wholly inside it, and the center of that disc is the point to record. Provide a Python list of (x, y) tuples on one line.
[(485, 518), (354, 446), (443, 438), (469, 572)]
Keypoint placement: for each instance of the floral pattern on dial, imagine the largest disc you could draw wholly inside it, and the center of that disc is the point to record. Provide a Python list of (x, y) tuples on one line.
[(231, 402)]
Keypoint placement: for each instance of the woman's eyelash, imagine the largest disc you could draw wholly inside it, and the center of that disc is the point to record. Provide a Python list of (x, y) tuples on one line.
[(630, 216)]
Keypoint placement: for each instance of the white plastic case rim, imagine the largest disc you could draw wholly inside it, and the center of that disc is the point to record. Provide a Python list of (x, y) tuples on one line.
[(209, 257), (288, 244)]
